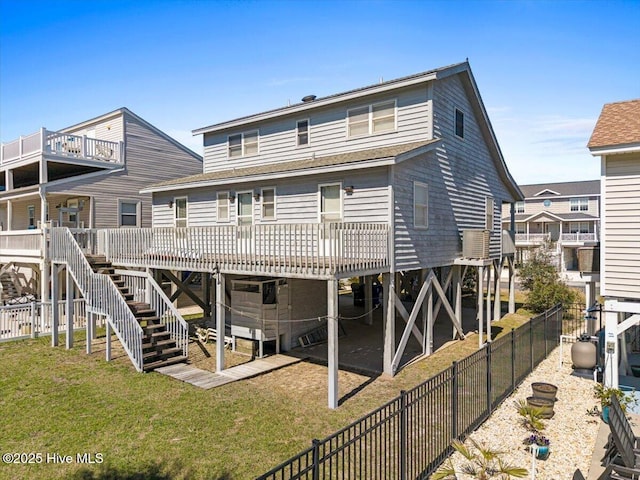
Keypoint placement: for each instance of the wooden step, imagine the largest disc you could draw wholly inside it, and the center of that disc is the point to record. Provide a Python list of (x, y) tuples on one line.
[(148, 321), (164, 363), (169, 343), (155, 355), (154, 328)]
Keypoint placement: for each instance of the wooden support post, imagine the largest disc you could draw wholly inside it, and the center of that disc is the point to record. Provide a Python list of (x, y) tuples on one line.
[(206, 285), (489, 303), (89, 331), (497, 304), (332, 344), (368, 299), (55, 314), (108, 338), (457, 294), (480, 316), (512, 286), (430, 321), (389, 313), (69, 308), (220, 321), (425, 316)]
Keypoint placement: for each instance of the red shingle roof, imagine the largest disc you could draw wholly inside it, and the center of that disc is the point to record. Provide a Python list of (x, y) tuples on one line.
[(618, 124)]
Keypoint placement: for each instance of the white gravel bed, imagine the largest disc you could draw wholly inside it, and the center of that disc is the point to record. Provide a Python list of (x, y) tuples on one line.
[(571, 431)]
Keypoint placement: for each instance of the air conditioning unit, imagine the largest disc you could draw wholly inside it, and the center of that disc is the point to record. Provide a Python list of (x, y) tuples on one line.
[(475, 243)]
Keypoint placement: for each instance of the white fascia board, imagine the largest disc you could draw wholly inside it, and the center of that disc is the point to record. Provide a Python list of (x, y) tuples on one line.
[(544, 212), (272, 176), (541, 192), (614, 150), (614, 305), (320, 103), (9, 196)]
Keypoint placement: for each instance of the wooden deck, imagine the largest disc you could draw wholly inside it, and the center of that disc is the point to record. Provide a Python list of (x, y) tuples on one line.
[(206, 379)]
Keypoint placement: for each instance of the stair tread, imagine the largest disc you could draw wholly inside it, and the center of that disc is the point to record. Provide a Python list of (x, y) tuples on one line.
[(160, 343), (166, 352), (164, 363)]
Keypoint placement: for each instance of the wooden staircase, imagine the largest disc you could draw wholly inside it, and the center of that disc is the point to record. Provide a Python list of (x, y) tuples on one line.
[(158, 349), (9, 290)]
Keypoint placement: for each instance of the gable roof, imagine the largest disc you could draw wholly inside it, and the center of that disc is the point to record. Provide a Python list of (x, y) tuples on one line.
[(373, 157), (617, 126), (563, 189)]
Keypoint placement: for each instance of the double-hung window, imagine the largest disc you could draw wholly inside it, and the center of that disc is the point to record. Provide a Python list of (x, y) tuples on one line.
[(268, 203), (302, 133), (128, 213), (180, 209), (31, 213), (223, 206), (488, 213), (420, 205), (242, 144), (372, 119), (579, 204), (520, 207)]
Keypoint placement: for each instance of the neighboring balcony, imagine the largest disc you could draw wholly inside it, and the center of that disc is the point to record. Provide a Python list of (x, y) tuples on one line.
[(301, 250), (527, 239), (578, 239), (22, 246), (63, 147)]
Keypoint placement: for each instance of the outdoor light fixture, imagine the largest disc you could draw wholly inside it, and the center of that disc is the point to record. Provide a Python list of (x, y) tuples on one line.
[(232, 197), (348, 190), (256, 196), (170, 204)]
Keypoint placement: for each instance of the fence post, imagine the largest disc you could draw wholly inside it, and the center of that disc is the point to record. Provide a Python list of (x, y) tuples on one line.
[(34, 334), (316, 459), (403, 434), (454, 400), (513, 359), (489, 389), (530, 345), (546, 318)]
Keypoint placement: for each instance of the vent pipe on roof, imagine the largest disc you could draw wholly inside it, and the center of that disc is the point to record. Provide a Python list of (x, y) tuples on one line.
[(308, 98)]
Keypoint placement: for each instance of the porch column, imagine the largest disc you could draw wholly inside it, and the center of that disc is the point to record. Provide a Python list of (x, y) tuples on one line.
[(389, 317), (89, 330), (512, 286), (497, 290), (43, 171), (457, 285), (368, 299), (611, 349), (480, 315), (55, 294), (428, 335), (9, 215), (44, 281), (489, 269), (220, 321), (332, 345), (8, 179), (69, 308), (108, 338)]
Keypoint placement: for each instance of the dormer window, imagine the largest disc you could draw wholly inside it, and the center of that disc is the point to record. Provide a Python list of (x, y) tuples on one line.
[(243, 144), (372, 119), (302, 132)]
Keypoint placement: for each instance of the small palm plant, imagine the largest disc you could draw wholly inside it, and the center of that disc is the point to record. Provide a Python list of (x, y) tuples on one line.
[(482, 463), (531, 416)]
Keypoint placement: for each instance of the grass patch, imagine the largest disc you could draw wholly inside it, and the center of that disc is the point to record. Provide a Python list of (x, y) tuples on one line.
[(66, 402)]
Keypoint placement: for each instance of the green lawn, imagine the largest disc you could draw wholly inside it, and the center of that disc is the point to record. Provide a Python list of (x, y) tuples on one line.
[(58, 401)]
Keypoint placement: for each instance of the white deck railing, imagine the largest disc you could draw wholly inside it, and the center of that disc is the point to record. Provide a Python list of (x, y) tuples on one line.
[(145, 289), (22, 243), (61, 144), (322, 249), (100, 292), (532, 237), (579, 237)]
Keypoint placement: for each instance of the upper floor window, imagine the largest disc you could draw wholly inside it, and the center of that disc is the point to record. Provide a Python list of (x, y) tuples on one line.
[(488, 213), (519, 207), (268, 203), (330, 202), (579, 204), (459, 123), (420, 205), (31, 214), (302, 132), (180, 209), (223, 206), (243, 144), (370, 119), (129, 213)]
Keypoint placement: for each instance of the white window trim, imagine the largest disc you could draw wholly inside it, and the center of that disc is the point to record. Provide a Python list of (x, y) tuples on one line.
[(298, 145), (489, 215), (218, 219), (138, 212), (330, 184), (519, 203), (175, 210), (73, 203), (370, 119), (415, 225), (30, 209), (455, 114), (579, 203), (242, 143), (241, 192), (275, 203)]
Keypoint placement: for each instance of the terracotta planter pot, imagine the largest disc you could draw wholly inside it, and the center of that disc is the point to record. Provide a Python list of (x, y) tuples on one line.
[(543, 403), (544, 390)]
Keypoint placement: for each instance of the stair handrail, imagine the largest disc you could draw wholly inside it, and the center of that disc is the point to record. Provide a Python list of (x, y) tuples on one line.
[(100, 292), (167, 311)]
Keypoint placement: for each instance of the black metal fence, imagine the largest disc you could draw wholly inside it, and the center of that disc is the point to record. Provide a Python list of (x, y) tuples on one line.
[(578, 319), (410, 436)]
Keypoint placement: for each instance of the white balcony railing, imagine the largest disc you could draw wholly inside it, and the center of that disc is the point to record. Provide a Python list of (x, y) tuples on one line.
[(532, 238), (319, 249), (62, 145), (22, 243), (578, 237)]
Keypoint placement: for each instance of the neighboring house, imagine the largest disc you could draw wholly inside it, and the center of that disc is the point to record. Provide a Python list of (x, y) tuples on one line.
[(403, 178), (616, 140), (566, 214), (88, 176)]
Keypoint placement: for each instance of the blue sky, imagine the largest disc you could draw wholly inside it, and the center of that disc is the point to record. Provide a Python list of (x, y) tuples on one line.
[(544, 69)]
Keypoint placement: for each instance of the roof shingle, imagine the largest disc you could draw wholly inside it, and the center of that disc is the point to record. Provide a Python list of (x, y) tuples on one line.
[(618, 124)]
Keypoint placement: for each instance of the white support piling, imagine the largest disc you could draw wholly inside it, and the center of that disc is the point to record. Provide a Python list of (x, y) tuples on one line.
[(332, 344), (69, 308), (220, 320)]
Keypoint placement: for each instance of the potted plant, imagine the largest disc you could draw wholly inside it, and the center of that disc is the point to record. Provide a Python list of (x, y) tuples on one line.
[(605, 394), (540, 443)]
